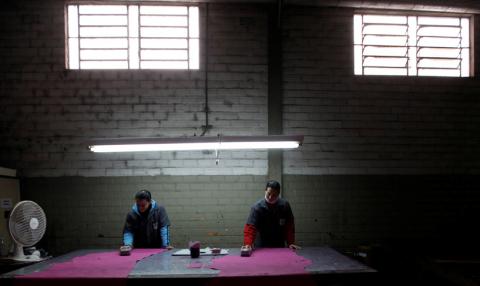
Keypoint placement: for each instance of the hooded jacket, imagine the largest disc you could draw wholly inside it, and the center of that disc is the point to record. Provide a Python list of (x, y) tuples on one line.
[(148, 230)]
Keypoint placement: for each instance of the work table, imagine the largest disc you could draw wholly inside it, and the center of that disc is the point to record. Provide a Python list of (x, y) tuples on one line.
[(324, 262)]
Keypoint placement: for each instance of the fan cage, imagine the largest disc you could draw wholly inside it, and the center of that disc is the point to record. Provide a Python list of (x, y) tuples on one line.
[(24, 215)]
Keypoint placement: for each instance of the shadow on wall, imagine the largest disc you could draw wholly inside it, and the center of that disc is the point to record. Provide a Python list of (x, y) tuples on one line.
[(346, 211)]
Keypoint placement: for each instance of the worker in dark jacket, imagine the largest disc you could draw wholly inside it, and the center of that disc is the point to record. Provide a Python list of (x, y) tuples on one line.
[(147, 224), (272, 219)]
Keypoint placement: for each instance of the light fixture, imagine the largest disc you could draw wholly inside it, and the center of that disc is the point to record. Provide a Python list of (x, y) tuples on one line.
[(195, 143)]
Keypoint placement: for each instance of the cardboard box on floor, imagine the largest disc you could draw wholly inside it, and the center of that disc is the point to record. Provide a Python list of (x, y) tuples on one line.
[(9, 196)]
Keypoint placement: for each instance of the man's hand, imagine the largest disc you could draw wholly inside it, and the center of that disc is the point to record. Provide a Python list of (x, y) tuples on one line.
[(125, 250), (294, 247), (170, 247), (246, 250)]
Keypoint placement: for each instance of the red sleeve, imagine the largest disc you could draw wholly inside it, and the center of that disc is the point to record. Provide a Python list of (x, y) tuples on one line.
[(249, 233), (290, 232)]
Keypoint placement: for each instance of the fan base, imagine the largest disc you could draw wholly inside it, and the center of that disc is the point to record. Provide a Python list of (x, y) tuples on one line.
[(19, 255), (27, 258)]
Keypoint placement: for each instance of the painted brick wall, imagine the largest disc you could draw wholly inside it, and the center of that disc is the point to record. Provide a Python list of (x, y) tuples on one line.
[(353, 125), (48, 112)]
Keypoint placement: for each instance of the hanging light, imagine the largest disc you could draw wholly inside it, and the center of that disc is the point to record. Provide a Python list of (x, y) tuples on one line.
[(196, 143)]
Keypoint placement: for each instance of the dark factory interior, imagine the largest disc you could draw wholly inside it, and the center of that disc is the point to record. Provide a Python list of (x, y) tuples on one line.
[(234, 142)]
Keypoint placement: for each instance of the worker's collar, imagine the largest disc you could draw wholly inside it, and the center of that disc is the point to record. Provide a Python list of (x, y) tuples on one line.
[(153, 205), (271, 202), (146, 211)]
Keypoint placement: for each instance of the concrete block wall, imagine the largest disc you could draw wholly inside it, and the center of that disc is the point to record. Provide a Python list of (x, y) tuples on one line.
[(90, 212), (370, 124)]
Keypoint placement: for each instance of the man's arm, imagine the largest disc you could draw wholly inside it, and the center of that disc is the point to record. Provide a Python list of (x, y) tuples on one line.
[(164, 227), (249, 234), (290, 232), (128, 238), (128, 231), (290, 229), (165, 235), (250, 229)]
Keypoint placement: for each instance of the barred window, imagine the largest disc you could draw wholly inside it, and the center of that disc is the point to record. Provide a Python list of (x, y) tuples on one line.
[(411, 45), (132, 37)]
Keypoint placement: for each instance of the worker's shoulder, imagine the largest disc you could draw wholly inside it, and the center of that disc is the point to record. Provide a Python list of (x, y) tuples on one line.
[(159, 208), (132, 214), (262, 204), (259, 204), (283, 202)]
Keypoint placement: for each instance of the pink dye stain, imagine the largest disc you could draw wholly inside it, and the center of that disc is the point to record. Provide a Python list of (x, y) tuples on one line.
[(95, 265), (262, 262)]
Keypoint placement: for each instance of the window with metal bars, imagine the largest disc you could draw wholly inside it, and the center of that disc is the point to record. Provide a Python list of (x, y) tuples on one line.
[(132, 37), (411, 45)]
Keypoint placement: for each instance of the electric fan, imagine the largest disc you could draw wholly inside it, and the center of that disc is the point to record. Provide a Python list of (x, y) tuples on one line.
[(26, 224)]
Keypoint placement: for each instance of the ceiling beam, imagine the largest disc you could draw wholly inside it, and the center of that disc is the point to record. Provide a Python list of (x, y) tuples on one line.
[(450, 6)]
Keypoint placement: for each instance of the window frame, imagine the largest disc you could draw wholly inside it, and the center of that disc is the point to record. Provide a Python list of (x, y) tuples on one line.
[(471, 18), (188, 5)]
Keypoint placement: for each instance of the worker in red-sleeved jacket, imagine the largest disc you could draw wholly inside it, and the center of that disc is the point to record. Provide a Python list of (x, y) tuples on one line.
[(271, 222)]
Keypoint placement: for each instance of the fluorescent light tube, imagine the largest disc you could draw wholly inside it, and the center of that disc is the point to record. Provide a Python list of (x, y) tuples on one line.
[(196, 143)]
